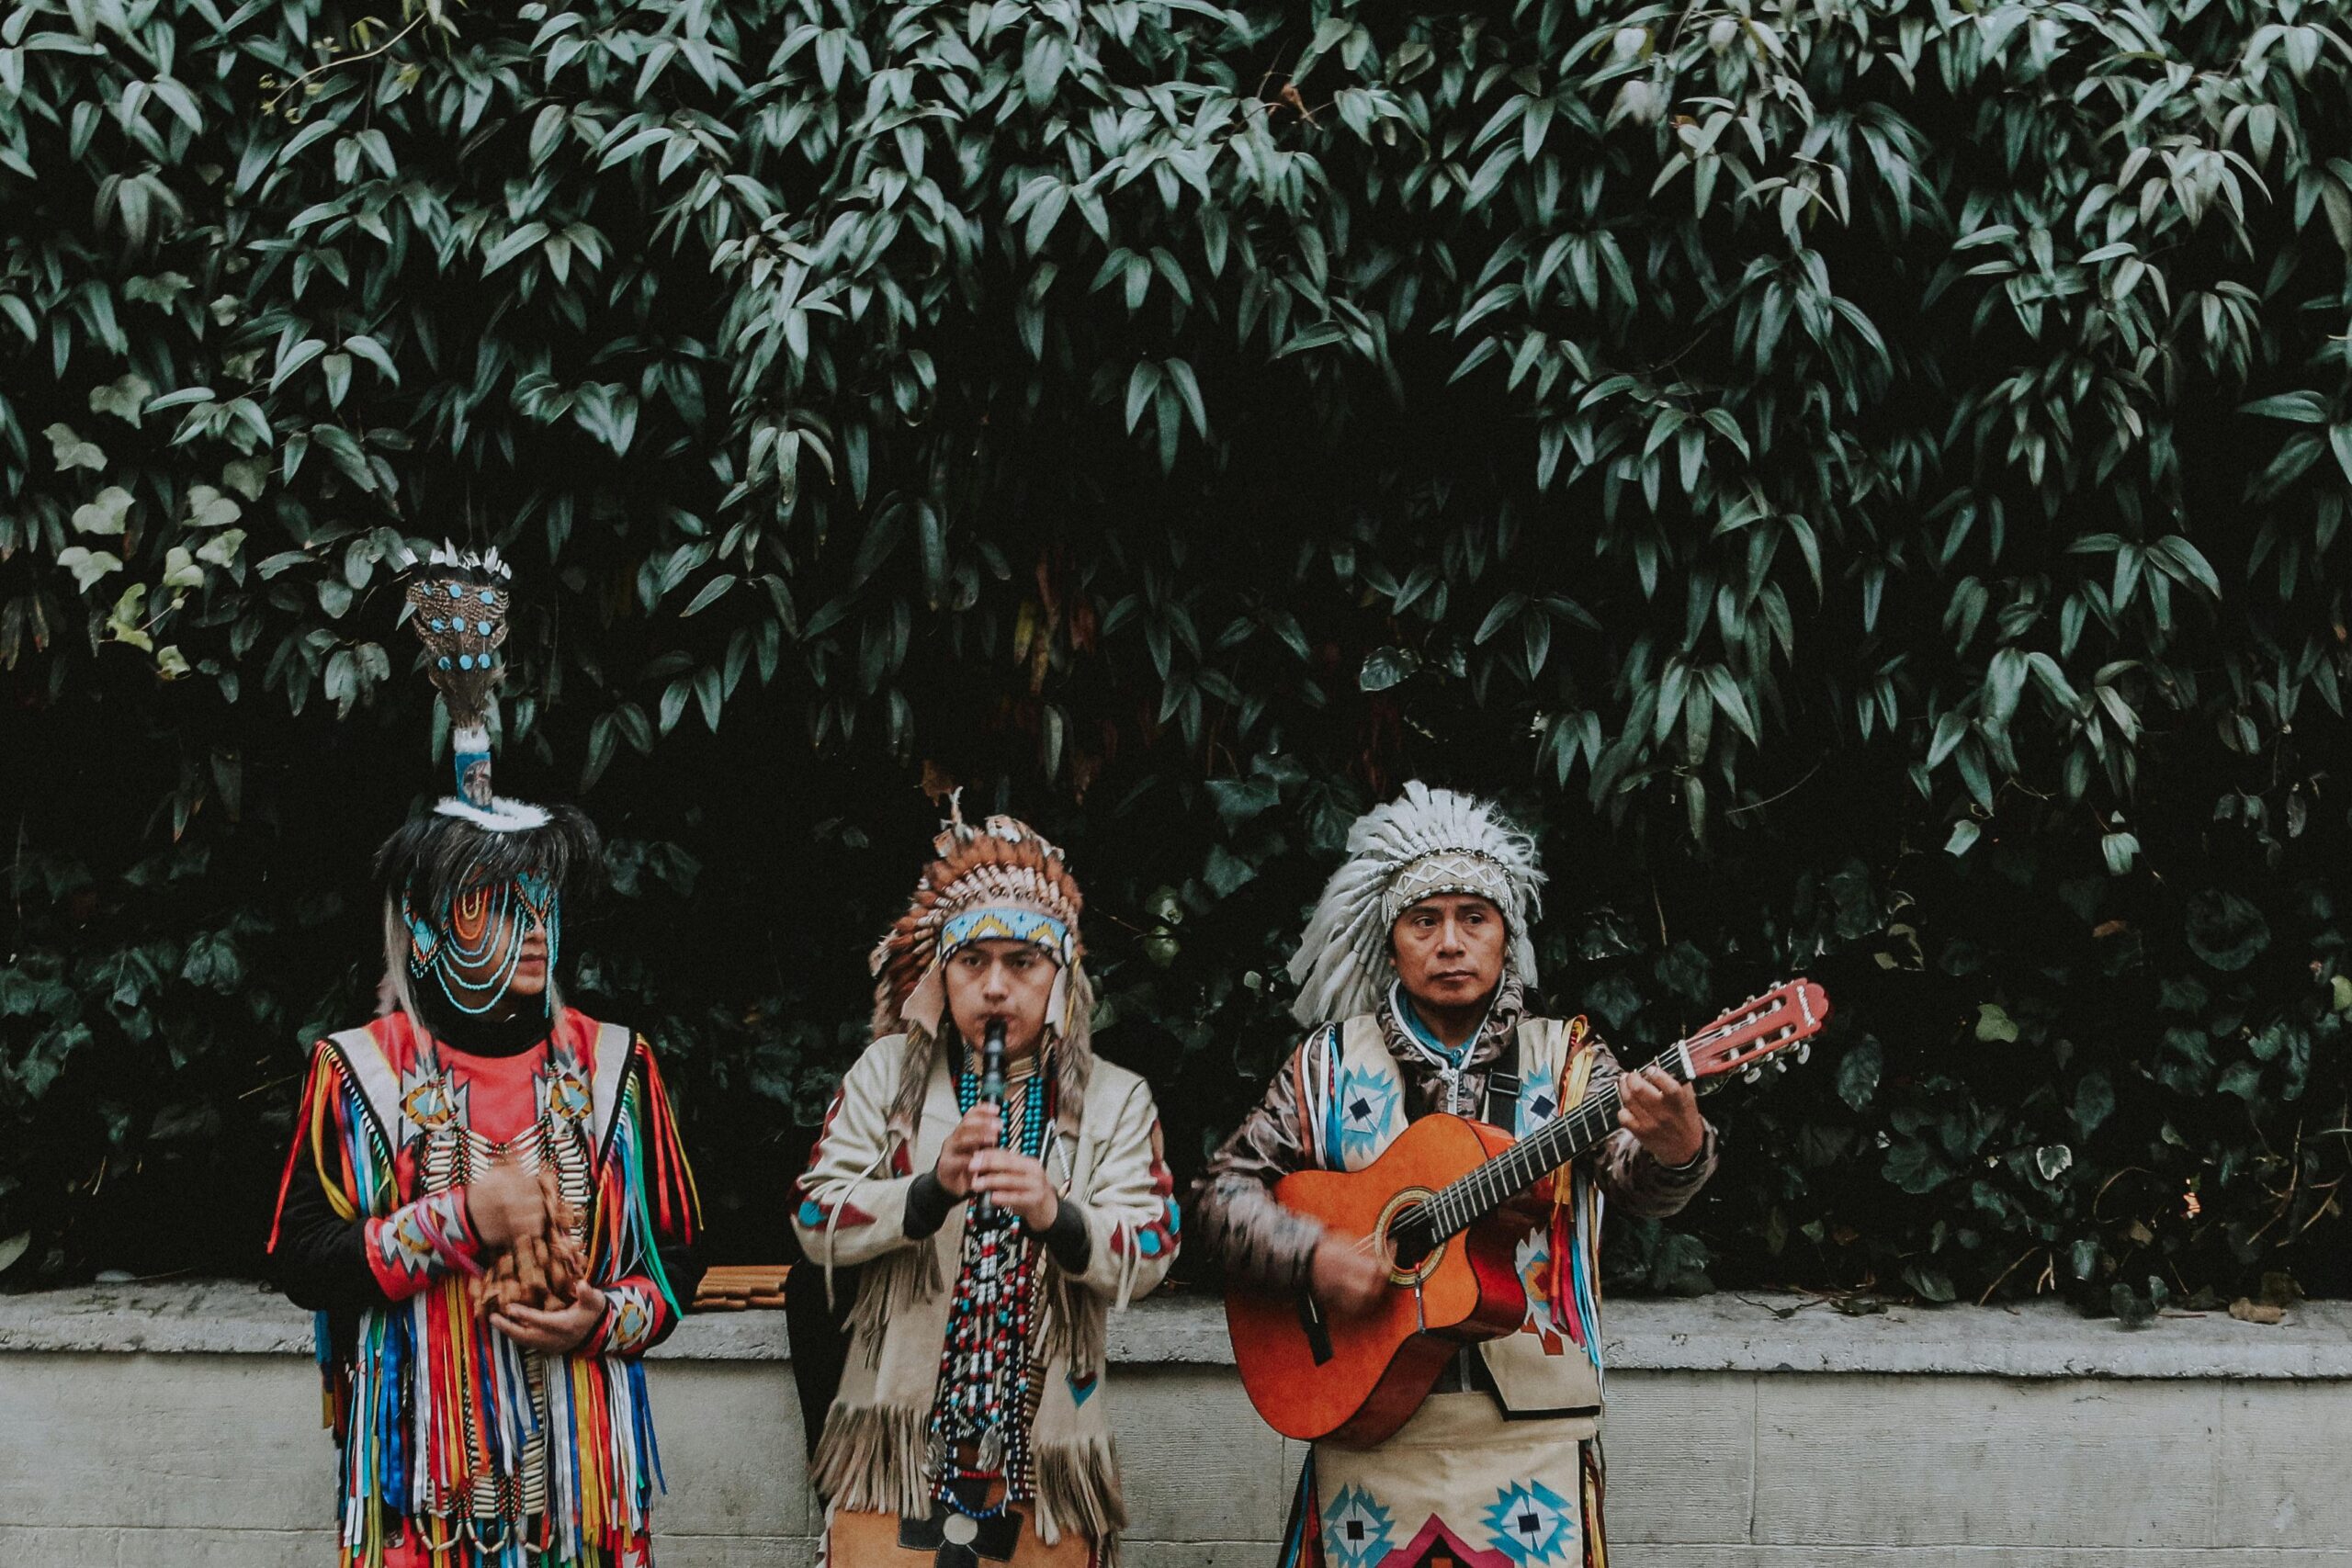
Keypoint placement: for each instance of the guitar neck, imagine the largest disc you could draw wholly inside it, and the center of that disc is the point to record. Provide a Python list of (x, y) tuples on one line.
[(1555, 1144)]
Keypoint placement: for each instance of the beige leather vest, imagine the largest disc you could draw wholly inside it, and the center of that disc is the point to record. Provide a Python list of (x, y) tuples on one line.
[(1540, 1371)]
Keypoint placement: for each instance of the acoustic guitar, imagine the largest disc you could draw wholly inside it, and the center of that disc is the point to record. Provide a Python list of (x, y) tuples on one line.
[(1432, 1200)]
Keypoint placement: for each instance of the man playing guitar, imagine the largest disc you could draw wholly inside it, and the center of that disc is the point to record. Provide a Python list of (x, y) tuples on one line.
[(1412, 975)]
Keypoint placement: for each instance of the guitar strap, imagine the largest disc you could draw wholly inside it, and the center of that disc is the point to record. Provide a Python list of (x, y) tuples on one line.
[(1501, 1108)]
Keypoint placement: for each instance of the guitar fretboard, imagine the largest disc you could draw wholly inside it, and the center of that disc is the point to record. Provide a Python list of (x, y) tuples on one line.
[(1789, 1013), (1562, 1139)]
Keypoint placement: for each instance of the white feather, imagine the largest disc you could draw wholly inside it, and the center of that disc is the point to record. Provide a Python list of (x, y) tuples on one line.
[(503, 816), (1343, 960)]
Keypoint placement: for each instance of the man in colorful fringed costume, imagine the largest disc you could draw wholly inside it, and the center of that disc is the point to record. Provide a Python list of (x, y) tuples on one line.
[(969, 1426), (1413, 972), (485, 1203)]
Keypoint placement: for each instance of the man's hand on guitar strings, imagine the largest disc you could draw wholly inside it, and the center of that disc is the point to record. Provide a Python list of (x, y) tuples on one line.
[(1347, 1279), (1662, 1114)]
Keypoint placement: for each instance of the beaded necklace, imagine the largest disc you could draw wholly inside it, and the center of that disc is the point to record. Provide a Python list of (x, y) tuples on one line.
[(450, 1153), (984, 1373)]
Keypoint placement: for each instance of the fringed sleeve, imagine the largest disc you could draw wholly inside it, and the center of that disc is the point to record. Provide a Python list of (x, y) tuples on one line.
[(648, 1217), (851, 1205), (1234, 1211), (1131, 1216), (331, 1248)]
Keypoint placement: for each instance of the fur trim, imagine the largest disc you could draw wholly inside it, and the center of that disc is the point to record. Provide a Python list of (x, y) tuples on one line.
[(1343, 963), (1074, 1055)]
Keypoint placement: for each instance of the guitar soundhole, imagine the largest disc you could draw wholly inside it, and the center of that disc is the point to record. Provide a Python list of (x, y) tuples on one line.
[(1413, 1254)]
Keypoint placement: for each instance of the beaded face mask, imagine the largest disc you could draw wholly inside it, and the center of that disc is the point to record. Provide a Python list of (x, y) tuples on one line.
[(473, 944)]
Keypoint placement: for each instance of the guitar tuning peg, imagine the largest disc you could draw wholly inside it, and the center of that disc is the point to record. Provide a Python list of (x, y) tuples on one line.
[(1805, 1050), (1752, 1075)]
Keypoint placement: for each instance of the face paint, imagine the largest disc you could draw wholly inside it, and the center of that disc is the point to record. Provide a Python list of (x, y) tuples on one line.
[(474, 945)]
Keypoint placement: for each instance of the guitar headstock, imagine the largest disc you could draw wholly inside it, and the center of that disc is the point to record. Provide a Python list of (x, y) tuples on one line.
[(1767, 1030)]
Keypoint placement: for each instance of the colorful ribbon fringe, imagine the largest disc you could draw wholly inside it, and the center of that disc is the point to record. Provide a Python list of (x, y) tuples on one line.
[(436, 1411)]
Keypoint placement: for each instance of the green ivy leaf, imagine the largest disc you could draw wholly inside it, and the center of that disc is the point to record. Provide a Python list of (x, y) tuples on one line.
[(1915, 1168), (71, 451), (1993, 1025), (207, 508), (105, 516), (1933, 1284), (2224, 929), (1857, 1072), (124, 396), (2094, 1103), (88, 567), (1225, 872), (1387, 667)]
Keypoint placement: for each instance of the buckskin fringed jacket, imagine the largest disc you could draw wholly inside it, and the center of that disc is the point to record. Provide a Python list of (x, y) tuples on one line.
[(869, 1197), (461, 1449)]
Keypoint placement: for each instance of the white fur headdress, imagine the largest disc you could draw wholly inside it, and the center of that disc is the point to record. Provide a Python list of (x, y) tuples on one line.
[(1425, 842)]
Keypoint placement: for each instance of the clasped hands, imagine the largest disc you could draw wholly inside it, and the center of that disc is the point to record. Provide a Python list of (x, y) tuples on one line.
[(970, 1162), (508, 1206), (1660, 1111)]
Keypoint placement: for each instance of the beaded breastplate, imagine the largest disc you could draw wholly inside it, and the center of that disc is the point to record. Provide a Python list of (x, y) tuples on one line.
[(449, 1152)]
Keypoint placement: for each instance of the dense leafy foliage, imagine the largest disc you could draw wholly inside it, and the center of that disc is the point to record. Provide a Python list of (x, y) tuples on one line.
[(1867, 477)]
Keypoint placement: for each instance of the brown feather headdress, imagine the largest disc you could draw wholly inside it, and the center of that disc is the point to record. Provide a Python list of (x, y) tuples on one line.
[(1003, 864)]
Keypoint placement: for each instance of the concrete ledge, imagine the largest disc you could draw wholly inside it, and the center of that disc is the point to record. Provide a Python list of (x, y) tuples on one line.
[(1733, 1333), (1729, 1333), (174, 1424)]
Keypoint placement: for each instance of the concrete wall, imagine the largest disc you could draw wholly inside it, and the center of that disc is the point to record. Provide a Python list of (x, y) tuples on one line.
[(171, 1428)]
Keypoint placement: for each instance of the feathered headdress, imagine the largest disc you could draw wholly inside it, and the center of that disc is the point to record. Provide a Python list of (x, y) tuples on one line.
[(998, 880), (1425, 842), (457, 605), (458, 609)]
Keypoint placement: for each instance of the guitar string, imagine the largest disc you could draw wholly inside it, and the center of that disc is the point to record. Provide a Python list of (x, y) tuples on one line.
[(1559, 1141), (1556, 1142)]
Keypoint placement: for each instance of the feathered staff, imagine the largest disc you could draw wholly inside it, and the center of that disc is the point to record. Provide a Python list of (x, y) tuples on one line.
[(458, 609)]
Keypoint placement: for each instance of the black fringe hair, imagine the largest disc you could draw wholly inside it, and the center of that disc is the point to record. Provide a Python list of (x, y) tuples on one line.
[(435, 857)]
